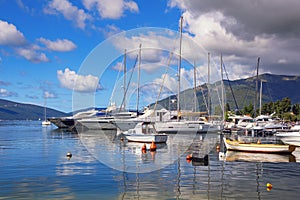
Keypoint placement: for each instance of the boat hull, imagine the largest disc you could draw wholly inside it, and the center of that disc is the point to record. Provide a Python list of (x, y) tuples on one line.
[(181, 127), (147, 138), (291, 140), (261, 148)]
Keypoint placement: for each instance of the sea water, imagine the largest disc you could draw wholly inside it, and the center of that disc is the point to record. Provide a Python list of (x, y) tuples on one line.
[(34, 165)]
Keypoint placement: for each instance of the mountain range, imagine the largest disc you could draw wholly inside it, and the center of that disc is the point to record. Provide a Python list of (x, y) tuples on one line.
[(242, 91), (10, 110)]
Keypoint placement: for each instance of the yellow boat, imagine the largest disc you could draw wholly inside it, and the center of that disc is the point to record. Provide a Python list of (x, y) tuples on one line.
[(236, 145)]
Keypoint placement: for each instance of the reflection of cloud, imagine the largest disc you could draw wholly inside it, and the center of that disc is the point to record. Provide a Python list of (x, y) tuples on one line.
[(70, 80)]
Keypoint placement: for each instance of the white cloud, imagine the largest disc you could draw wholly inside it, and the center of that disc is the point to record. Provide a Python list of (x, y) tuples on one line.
[(69, 11), (9, 35), (48, 95), (61, 45), (111, 9), (70, 80), (6, 93), (119, 66), (30, 54), (243, 31)]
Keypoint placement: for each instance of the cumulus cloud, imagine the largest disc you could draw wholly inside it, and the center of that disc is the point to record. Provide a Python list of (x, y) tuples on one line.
[(61, 45), (245, 30), (111, 9), (30, 54), (6, 93), (48, 95), (10, 35), (70, 80), (69, 11), (13, 38)]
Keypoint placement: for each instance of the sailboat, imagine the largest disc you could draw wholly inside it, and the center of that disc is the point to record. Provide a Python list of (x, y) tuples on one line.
[(46, 122), (179, 125)]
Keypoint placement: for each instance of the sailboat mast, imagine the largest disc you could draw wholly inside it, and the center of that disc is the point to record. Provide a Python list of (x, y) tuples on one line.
[(179, 69), (208, 85), (222, 91), (256, 88), (260, 97), (124, 64), (138, 84), (195, 90), (45, 109)]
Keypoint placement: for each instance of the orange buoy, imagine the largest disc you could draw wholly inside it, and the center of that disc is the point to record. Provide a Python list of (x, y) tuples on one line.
[(269, 186), (189, 157), (144, 149), (258, 141), (153, 146)]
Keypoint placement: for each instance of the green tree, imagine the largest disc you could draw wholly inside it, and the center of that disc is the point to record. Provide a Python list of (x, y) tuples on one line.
[(296, 109), (248, 109)]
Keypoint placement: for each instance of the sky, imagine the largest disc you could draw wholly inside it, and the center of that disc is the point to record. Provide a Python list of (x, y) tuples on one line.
[(70, 54)]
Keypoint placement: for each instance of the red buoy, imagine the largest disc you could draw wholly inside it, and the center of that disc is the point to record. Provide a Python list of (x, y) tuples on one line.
[(153, 146), (144, 149)]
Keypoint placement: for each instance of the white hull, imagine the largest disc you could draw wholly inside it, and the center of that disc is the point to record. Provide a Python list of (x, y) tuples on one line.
[(147, 138), (288, 134), (181, 127), (96, 124), (292, 140), (125, 124), (46, 123), (252, 147)]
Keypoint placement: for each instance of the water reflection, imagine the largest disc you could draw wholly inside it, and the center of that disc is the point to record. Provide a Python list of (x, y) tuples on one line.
[(234, 156)]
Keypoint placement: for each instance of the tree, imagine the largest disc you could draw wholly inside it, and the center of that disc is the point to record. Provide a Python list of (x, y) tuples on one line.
[(248, 109), (296, 109)]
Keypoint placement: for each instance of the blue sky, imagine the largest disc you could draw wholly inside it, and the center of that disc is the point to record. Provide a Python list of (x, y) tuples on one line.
[(45, 45)]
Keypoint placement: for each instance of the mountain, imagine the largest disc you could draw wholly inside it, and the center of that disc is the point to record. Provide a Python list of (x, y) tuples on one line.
[(10, 110), (274, 88)]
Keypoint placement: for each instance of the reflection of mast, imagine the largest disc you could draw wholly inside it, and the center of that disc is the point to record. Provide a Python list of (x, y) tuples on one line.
[(179, 68)]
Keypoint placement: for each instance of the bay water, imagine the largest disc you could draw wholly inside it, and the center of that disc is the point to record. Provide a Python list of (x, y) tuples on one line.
[(34, 165)]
